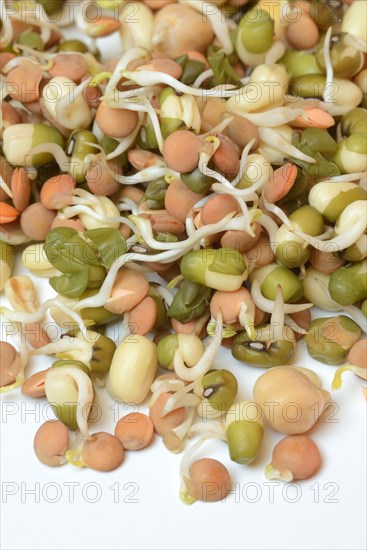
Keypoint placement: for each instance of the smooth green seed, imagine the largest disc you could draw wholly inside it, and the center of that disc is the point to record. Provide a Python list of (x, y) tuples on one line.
[(244, 440)]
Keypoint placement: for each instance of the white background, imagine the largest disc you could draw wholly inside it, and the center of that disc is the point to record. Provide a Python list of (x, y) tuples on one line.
[(327, 512)]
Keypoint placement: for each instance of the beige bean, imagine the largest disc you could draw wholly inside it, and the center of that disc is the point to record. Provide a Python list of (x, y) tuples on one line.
[(326, 262), (217, 207), (142, 318), (34, 386), (286, 386), (116, 123), (261, 254), (21, 293), (163, 425), (181, 28), (99, 180), (241, 240), (51, 443), (69, 65), (103, 452), (21, 188), (135, 431), (227, 157), (36, 221), (181, 151), (10, 363), (129, 289), (179, 200)]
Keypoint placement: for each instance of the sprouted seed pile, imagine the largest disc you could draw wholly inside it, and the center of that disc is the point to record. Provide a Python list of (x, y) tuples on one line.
[(205, 186)]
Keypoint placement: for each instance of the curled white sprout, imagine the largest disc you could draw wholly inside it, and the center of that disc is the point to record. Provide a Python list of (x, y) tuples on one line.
[(165, 294), (202, 77), (181, 398), (188, 454), (155, 122), (71, 211), (4, 186), (241, 169), (204, 364), (274, 209), (328, 90), (278, 316), (63, 345), (276, 51), (57, 151), (7, 28), (273, 117), (289, 322), (247, 320), (271, 228), (228, 222), (152, 78), (65, 103), (340, 242), (268, 305), (23, 317), (218, 129), (348, 177), (274, 139), (85, 393), (104, 293), (356, 42), (133, 53)]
